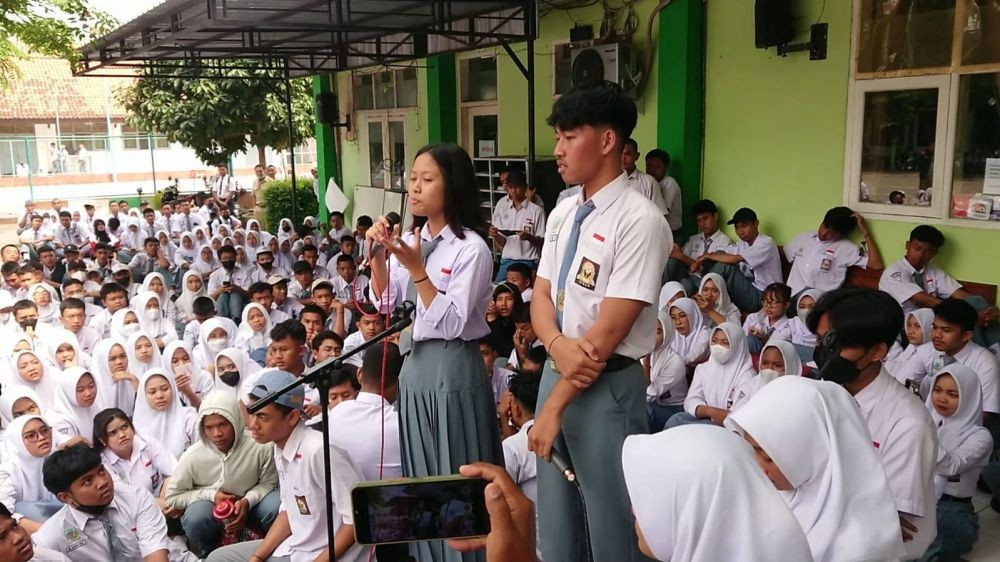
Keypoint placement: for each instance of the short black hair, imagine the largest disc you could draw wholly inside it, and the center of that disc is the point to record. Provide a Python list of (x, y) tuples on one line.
[(365, 220), (659, 154), (227, 249), (861, 317), (780, 290), (102, 246), (64, 466), (321, 337), (152, 239), (4, 512), (108, 289), (313, 309), (522, 268), (101, 421), (65, 214), (841, 220), (536, 354), (309, 248), (24, 304), (517, 178), (259, 287), (957, 312), (9, 268), (289, 329), (345, 257), (71, 303), (488, 341), (46, 250), (375, 357), (368, 309), (114, 223), (301, 266), (632, 142), (603, 103), (928, 235), (348, 238), (203, 306), (704, 206), (524, 388), (336, 214), (69, 282), (522, 314), (148, 211), (348, 374)]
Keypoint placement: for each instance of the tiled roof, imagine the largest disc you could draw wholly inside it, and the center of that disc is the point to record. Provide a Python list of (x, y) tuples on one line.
[(46, 81)]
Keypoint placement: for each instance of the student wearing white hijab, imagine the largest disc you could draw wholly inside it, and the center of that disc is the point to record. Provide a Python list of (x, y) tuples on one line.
[(776, 359), (167, 245), (253, 243), (147, 306), (723, 383), (62, 350), (206, 262), (110, 361), (698, 496), (186, 252), (964, 447), (142, 352), (192, 286), (713, 300), (796, 330), (667, 376), (235, 372), (29, 370), (690, 333), (160, 415), (192, 381), (76, 404), (670, 292), (917, 326), (214, 336), (47, 301), (811, 441), (124, 323), (255, 330), (155, 282), (16, 401), (283, 258), (28, 441)]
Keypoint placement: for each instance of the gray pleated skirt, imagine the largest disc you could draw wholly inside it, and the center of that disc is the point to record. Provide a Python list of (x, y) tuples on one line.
[(448, 418)]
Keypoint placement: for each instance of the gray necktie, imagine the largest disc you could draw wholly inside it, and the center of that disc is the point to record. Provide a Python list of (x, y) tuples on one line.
[(919, 277), (406, 336), (187, 222), (582, 212), (947, 360), (115, 544)]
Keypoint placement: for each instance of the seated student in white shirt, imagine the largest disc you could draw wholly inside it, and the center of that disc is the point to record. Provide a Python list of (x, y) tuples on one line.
[(820, 258), (916, 283), (348, 286), (667, 376), (519, 275), (498, 376), (964, 447), (855, 328), (299, 532), (658, 166), (525, 338), (748, 266), (771, 318), (795, 330), (101, 519), (72, 315), (708, 239), (517, 226), (517, 415), (15, 543), (369, 323), (262, 293), (638, 180), (918, 326)]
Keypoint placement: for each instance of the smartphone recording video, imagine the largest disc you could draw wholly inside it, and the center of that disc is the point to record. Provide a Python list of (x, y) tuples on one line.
[(419, 509)]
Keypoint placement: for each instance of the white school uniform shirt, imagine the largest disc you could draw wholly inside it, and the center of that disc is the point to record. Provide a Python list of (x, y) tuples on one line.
[(760, 321), (526, 295), (135, 518), (179, 223), (224, 185), (897, 280), (672, 199), (499, 381), (761, 261), (648, 187), (623, 244), (87, 337), (521, 464), (906, 440), (351, 343), (820, 265), (927, 361), (148, 467), (529, 217), (359, 424), (699, 244), (569, 192), (71, 235), (237, 277), (300, 479), (795, 331), (342, 289), (512, 360), (964, 445), (462, 272)]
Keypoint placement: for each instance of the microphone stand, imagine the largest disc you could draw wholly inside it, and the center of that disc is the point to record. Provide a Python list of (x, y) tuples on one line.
[(319, 377)]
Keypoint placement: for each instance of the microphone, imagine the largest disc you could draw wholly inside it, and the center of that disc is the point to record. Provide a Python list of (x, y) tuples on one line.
[(563, 466), (403, 315), (394, 220)]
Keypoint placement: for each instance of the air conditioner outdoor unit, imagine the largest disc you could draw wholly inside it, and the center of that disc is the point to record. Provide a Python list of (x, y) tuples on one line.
[(613, 62)]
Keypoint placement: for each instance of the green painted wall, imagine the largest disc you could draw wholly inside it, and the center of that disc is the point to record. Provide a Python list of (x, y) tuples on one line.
[(775, 130)]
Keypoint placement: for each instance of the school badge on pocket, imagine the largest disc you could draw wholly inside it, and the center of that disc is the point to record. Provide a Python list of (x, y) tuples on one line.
[(303, 505), (586, 275)]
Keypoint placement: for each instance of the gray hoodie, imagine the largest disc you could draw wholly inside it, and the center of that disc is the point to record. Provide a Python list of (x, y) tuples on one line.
[(246, 471)]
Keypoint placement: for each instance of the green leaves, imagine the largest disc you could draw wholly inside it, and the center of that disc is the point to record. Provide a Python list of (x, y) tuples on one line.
[(220, 117), (277, 197)]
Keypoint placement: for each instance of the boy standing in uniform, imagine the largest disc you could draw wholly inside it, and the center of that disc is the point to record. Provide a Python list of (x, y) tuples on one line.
[(599, 273)]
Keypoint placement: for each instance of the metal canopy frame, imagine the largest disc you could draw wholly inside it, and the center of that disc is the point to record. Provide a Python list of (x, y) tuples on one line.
[(285, 39)]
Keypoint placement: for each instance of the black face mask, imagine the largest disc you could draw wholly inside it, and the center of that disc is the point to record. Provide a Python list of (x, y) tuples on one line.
[(229, 264), (231, 378), (92, 509), (267, 265), (29, 323), (833, 367), (286, 229)]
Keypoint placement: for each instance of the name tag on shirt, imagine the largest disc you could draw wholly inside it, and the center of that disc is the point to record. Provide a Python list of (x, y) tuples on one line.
[(75, 538)]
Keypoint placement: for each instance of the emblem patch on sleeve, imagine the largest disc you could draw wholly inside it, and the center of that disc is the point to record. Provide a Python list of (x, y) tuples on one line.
[(303, 505), (586, 275)]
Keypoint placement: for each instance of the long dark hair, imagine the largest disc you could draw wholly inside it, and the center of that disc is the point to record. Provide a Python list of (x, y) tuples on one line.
[(101, 421), (102, 235), (461, 196)]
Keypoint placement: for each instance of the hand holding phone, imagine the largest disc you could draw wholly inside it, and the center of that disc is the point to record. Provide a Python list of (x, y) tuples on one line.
[(511, 515)]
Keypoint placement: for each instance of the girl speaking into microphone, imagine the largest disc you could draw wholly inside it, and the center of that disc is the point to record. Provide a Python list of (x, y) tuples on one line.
[(446, 406)]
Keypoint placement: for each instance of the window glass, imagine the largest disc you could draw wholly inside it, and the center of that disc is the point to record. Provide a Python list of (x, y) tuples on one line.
[(479, 79), (905, 34), (976, 172)]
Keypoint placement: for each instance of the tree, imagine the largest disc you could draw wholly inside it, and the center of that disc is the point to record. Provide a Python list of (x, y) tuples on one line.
[(220, 117), (45, 27)]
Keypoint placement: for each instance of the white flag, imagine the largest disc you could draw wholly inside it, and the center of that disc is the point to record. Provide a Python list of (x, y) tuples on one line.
[(335, 198)]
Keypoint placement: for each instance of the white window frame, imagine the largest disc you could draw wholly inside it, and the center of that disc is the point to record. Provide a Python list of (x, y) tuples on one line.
[(469, 109), (948, 81), (384, 118)]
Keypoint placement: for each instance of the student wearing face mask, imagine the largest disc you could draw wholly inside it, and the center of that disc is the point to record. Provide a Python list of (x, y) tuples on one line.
[(148, 308), (26, 318), (777, 359), (215, 335), (796, 331), (263, 266), (226, 285)]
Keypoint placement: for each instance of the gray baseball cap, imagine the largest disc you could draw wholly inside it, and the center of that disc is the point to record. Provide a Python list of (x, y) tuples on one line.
[(276, 380)]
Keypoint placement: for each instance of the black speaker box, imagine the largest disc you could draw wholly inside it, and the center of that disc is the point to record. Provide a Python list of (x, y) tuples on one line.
[(773, 23), (326, 108)]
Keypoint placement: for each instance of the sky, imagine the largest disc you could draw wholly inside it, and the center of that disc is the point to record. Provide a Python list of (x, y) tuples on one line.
[(124, 10)]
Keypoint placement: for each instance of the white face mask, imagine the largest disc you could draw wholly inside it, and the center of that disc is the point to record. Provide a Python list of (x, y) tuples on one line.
[(129, 329), (79, 275), (804, 314), (152, 313), (768, 375), (721, 353), (216, 345)]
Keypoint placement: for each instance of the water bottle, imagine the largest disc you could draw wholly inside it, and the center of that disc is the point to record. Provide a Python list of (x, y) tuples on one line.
[(223, 512)]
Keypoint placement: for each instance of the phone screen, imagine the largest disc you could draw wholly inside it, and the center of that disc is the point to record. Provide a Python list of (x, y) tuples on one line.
[(395, 511)]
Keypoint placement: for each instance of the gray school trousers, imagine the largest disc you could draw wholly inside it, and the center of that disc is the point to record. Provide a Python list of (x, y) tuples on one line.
[(594, 427), (240, 552)]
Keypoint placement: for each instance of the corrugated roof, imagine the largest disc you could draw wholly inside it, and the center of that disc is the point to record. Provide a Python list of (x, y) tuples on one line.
[(46, 82)]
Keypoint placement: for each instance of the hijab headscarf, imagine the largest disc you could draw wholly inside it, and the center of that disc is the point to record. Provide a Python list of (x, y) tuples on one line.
[(244, 365), (11, 395), (659, 363), (724, 305), (48, 314), (44, 387), (668, 291), (159, 327), (185, 302), (25, 468), (169, 427), (188, 255), (135, 366), (112, 394), (56, 339), (699, 496), (967, 420), (246, 338), (162, 295), (696, 341), (202, 353), (281, 227), (203, 266), (252, 248), (793, 363), (283, 259), (118, 329), (203, 239), (815, 434), (67, 409), (725, 385), (925, 318), (169, 248)]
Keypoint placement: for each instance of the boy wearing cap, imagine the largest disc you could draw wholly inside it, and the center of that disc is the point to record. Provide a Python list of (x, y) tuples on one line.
[(299, 532), (262, 293), (748, 266), (708, 239)]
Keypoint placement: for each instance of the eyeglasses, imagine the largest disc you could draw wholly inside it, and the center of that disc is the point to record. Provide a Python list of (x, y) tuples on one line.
[(34, 436), (770, 302)]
